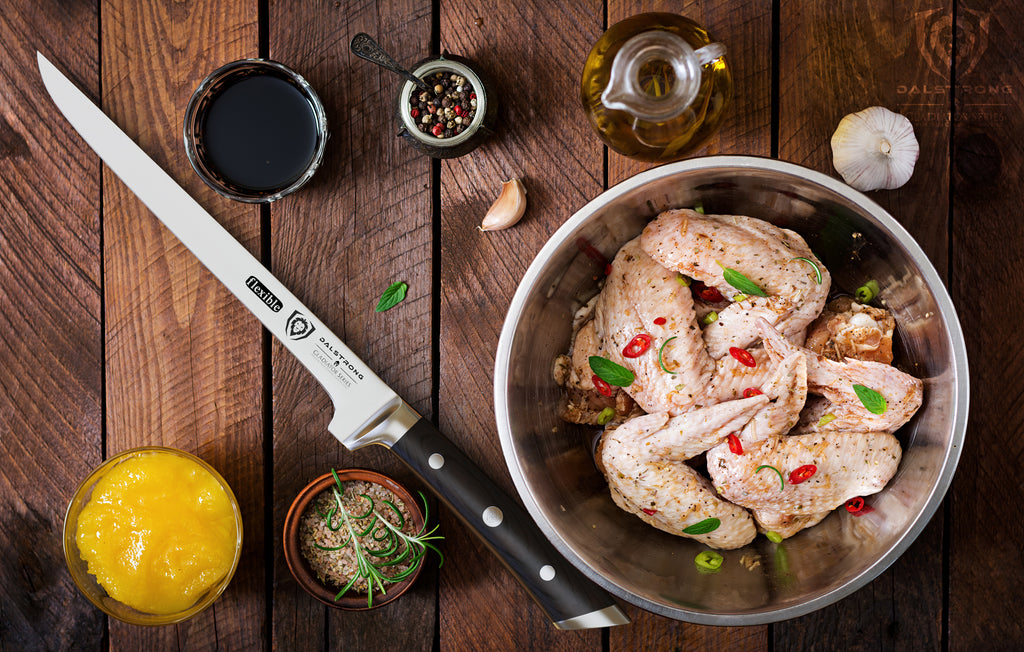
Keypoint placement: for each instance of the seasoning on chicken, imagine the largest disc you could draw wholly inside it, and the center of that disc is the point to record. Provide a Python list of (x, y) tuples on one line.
[(641, 297), (838, 382), (644, 461), (777, 261)]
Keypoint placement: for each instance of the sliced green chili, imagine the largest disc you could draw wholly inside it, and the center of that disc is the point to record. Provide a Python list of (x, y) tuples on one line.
[(782, 481), (660, 359), (708, 561)]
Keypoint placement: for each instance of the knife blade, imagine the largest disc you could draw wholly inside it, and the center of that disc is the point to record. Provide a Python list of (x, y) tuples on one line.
[(366, 410)]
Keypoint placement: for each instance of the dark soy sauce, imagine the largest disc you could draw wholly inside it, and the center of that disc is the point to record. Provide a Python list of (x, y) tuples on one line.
[(259, 133)]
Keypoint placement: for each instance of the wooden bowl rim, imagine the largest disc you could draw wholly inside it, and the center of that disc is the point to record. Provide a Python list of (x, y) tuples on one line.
[(299, 567)]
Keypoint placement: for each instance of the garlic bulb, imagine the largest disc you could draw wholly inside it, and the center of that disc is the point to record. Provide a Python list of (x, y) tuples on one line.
[(875, 149), (507, 208)]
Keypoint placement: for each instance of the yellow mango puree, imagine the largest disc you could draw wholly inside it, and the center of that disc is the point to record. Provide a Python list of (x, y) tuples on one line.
[(157, 532)]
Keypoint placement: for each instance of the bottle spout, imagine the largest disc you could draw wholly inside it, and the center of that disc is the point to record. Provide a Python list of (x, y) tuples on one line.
[(655, 76), (710, 52)]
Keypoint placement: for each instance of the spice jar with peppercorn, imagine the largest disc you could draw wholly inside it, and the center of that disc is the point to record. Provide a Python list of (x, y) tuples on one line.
[(454, 116)]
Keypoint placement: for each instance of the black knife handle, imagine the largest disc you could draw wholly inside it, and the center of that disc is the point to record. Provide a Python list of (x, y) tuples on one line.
[(570, 600)]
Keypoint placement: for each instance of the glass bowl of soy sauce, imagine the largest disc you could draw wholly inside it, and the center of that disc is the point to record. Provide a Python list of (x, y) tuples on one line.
[(255, 130)]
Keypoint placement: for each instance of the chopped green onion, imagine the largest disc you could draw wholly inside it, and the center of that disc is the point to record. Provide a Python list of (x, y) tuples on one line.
[(873, 401), (660, 359), (739, 297), (605, 416), (826, 419), (817, 270), (867, 292), (683, 280), (699, 207), (774, 537), (703, 527), (709, 318), (782, 481), (610, 372), (739, 281), (708, 561)]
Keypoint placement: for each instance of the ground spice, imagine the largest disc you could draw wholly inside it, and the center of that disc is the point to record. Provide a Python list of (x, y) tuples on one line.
[(448, 109), (334, 568)]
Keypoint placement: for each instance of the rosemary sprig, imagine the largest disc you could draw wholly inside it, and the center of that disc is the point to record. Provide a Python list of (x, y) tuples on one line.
[(399, 547)]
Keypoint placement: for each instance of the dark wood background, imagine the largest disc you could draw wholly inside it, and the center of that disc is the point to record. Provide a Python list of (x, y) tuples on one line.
[(113, 336)]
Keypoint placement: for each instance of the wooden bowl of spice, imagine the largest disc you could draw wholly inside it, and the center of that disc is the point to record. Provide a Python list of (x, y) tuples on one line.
[(356, 539)]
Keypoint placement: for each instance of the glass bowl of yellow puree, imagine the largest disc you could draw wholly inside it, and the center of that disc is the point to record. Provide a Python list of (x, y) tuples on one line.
[(153, 536)]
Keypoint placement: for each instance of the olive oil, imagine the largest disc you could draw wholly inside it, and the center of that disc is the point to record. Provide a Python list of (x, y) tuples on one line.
[(656, 139)]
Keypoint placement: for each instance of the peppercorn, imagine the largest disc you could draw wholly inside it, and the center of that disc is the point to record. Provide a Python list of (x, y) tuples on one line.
[(449, 110)]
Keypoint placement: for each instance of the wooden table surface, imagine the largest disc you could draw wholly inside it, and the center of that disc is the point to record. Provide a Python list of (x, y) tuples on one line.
[(113, 336)]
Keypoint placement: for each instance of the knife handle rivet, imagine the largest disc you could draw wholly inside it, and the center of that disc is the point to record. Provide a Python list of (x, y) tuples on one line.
[(492, 516), (436, 461), (547, 573)]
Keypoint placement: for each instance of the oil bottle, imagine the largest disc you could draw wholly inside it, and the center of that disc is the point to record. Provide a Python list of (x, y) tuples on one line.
[(655, 86)]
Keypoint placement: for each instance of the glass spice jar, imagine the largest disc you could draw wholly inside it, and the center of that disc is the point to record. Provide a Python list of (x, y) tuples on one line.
[(455, 117)]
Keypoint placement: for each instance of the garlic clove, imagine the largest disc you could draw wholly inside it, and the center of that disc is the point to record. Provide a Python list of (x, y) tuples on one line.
[(875, 149), (507, 208)]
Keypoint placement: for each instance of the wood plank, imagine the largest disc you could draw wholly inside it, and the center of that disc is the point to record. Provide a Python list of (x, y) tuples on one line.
[(987, 569), (362, 223), (183, 363), (744, 27), (51, 351), (836, 60), (534, 56)]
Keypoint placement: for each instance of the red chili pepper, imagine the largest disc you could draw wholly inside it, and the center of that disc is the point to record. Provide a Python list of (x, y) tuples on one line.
[(711, 295), (735, 446), (608, 269), (660, 321), (743, 356), (584, 245), (802, 473), (858, 507), (603, 388), (751, 391), (649, 512), (637, 346)]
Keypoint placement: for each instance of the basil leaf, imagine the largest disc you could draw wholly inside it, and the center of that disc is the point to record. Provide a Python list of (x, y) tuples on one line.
[(742, 283), (392, 296), (611, 373), (872, 400), (703, 527), (817, 270)]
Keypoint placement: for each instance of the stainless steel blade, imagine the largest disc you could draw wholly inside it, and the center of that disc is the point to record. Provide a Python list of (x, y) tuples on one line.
[(366, 409)]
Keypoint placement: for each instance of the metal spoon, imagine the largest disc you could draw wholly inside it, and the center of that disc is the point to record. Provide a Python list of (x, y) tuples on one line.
[(365, 47)]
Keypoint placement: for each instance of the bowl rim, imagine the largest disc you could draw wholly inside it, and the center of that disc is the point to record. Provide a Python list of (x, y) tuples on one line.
[(299, 567), (72, 559), (961, 389)]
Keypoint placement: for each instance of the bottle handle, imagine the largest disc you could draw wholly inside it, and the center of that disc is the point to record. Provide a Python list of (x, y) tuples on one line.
[(709, 53)]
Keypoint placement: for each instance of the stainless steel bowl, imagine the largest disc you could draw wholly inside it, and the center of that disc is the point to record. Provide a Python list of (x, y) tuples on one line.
[(550, 461)]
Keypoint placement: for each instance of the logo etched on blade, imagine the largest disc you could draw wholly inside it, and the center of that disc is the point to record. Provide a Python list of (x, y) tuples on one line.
[(298, 326)]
